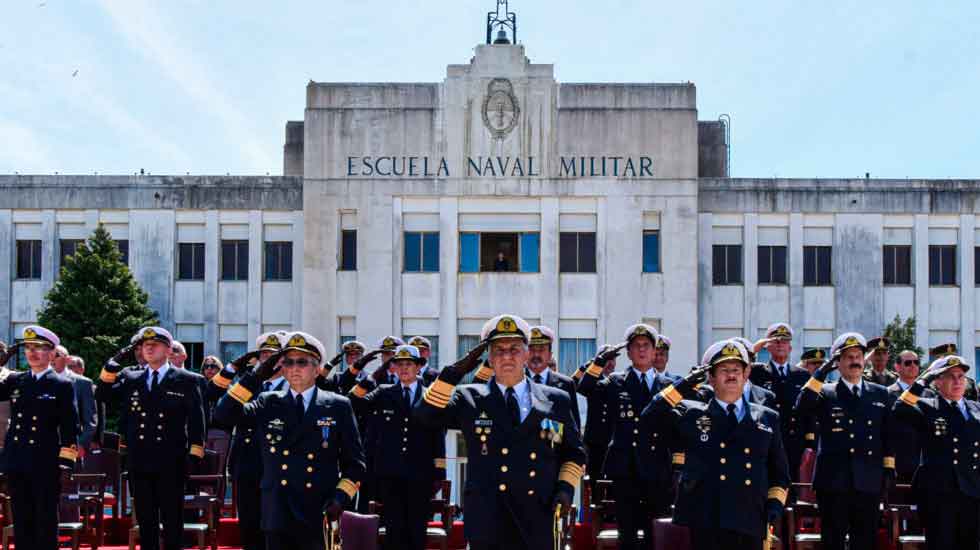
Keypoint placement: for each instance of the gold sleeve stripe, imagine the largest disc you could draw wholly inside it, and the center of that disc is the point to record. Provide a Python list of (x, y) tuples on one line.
[(442, 388), (578, 374), (358, 391), (240, 393), (594, 370), (677, 459), (348, 487), (441, 463), (671, 395), (814, 385), (108, 377), (68, 453), (810, 436), (435, 398), (777, 493), (888, 462), (353, 370), (909, 398), (571, 473), (483, 374), (221, 382), (197, 450)]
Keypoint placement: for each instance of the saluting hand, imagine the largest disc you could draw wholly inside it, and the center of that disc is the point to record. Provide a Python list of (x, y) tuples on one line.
[(269, 367), (697, 375), (380, 374), (123, 356), (471, 360), (825, 369), (611, 353), (336, 359), (7, 352), (365, 359), (242, 362)]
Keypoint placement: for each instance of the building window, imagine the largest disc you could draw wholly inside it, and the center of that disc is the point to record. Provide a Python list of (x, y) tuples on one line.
[(726, 264), (421, 252), (123, 246), (897, 265), (190, 262), (499, 252), (651, 252), (772, 265), (278, 261), (232, 350), (68, 247), (763, 356), (348, 250), (816, 266), (28, 259), (942, 265), (195, 355), (573, 352), (234, 260), (976, 266), (576, 253), (464, 343)]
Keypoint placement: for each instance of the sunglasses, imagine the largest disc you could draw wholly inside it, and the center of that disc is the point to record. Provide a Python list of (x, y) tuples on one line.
[(298, 362), (910, 362)]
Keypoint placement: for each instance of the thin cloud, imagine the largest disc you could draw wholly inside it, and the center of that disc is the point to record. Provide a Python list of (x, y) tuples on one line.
[(142, 27), (22, 150)]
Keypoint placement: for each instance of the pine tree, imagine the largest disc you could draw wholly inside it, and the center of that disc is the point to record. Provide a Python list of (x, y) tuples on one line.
[(96, 305), (902, 337)]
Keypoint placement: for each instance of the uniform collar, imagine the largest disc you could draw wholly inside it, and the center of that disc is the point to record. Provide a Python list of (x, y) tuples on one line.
[(851, 387), (544, 375), (739, 407), (41, 374), (162, 370)]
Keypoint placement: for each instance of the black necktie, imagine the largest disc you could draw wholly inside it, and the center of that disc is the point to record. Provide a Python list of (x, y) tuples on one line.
[(407, 396), (300, 410), (732, 417), (153, 382), (266, 386), (537, 378), (644, 387), (856, 390), (512, 406)]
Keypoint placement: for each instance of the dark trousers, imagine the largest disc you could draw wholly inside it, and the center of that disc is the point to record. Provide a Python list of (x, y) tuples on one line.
[(597, 455), (638, 503), (294, 539), (722, 539), (249, 503), (507, 533), (159, 498), (34, 499), (848, 513), (406, 511), (950, 520)]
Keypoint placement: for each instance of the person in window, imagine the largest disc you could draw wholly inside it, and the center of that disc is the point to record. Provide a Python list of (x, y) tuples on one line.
[(501, 263)]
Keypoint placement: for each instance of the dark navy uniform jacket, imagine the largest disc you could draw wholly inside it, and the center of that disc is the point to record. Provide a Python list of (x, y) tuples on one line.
[(853, 442), (245, 456), (636, 445), (43, 422), (306, 461), (403, 446), (520, 468), (905, 439), (950, 444), (728, 475), (564, 383), (757, 395), (160, 427)]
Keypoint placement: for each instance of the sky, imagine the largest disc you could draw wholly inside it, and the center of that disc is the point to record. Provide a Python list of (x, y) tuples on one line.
[(814, 89)]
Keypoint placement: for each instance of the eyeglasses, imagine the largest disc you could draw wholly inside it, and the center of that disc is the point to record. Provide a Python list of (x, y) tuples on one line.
[(297, 362), (910, 362)]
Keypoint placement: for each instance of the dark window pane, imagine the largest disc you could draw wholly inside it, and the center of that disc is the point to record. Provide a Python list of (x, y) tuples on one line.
[(229, 260), (195, 356), (934, 268), (734, 264), (823, 264), (28, 259), (499, 251), (903, 265), (586, 252), (198, 261), (949, 265), (185, 261), (568, 252), (271, 261), (888, 265), (242, 256), (430, 252), (123, 246), (809, 265), (765, 264), (413, 251), (35, 259), (779, 265), (976, 265), (287, 261), (718, 265), (278, 261), (651, 252), (68, 247), (348, 251), (469, 252)]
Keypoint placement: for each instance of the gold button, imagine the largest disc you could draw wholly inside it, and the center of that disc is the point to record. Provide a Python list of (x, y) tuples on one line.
[(636, 431), (534, 456), (161, 415), (272, 450), (870, 437), (33, 418), (634, 443), (530, 491), (851, 435), (532, 473), (502, 487), (285, 452), (748, 482), (404, 449), (852, 451), (503, 468), (268, 436), (483, 438), (141, 436), (142, 425), (748, 450), (283, 482), (33, 428), (956, 461), (310, 456), (869, 422), (956, 440), (285, 466), (504, 451), (309, 469), (309, 485), (20, 415), (248, 440), (723, 460), (722, 477), (722, 444), (31, 441), (956, 451), (143, 414)]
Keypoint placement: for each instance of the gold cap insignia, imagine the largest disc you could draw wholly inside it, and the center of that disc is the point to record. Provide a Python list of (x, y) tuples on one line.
[(29, 334), (780, 331), (149, 333), (640, 330), (404, 354), (506, 325), (272, 340), (730, 351), (536, 333), (388, 342), (953, 362), (297, 341), (881, 344), (818, 354), (417, 342), (852, 341)]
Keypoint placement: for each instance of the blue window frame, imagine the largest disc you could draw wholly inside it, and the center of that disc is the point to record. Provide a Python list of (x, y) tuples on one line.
[(469, 252), (573, 352), (651, 252), (530, 247), (421, 252)]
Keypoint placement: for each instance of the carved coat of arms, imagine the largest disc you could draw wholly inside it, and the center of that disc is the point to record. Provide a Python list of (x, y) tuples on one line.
[(500, 108)]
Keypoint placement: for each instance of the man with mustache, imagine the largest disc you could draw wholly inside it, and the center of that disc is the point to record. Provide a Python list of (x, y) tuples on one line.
[(541, 356), (734, 479), (855, 464)]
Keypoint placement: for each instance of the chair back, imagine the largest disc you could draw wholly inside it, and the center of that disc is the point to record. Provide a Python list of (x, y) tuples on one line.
[(219, 441), (442, 505), (359, 532)]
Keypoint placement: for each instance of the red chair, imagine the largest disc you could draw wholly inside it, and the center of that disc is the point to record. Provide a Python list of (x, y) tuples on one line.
[(359, 532)]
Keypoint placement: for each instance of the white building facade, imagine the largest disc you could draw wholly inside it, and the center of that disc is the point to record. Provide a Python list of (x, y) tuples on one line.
[(426, 208)]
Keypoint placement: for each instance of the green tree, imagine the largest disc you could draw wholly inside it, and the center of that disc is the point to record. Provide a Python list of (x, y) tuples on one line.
[(96, 305), (902, 336)]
